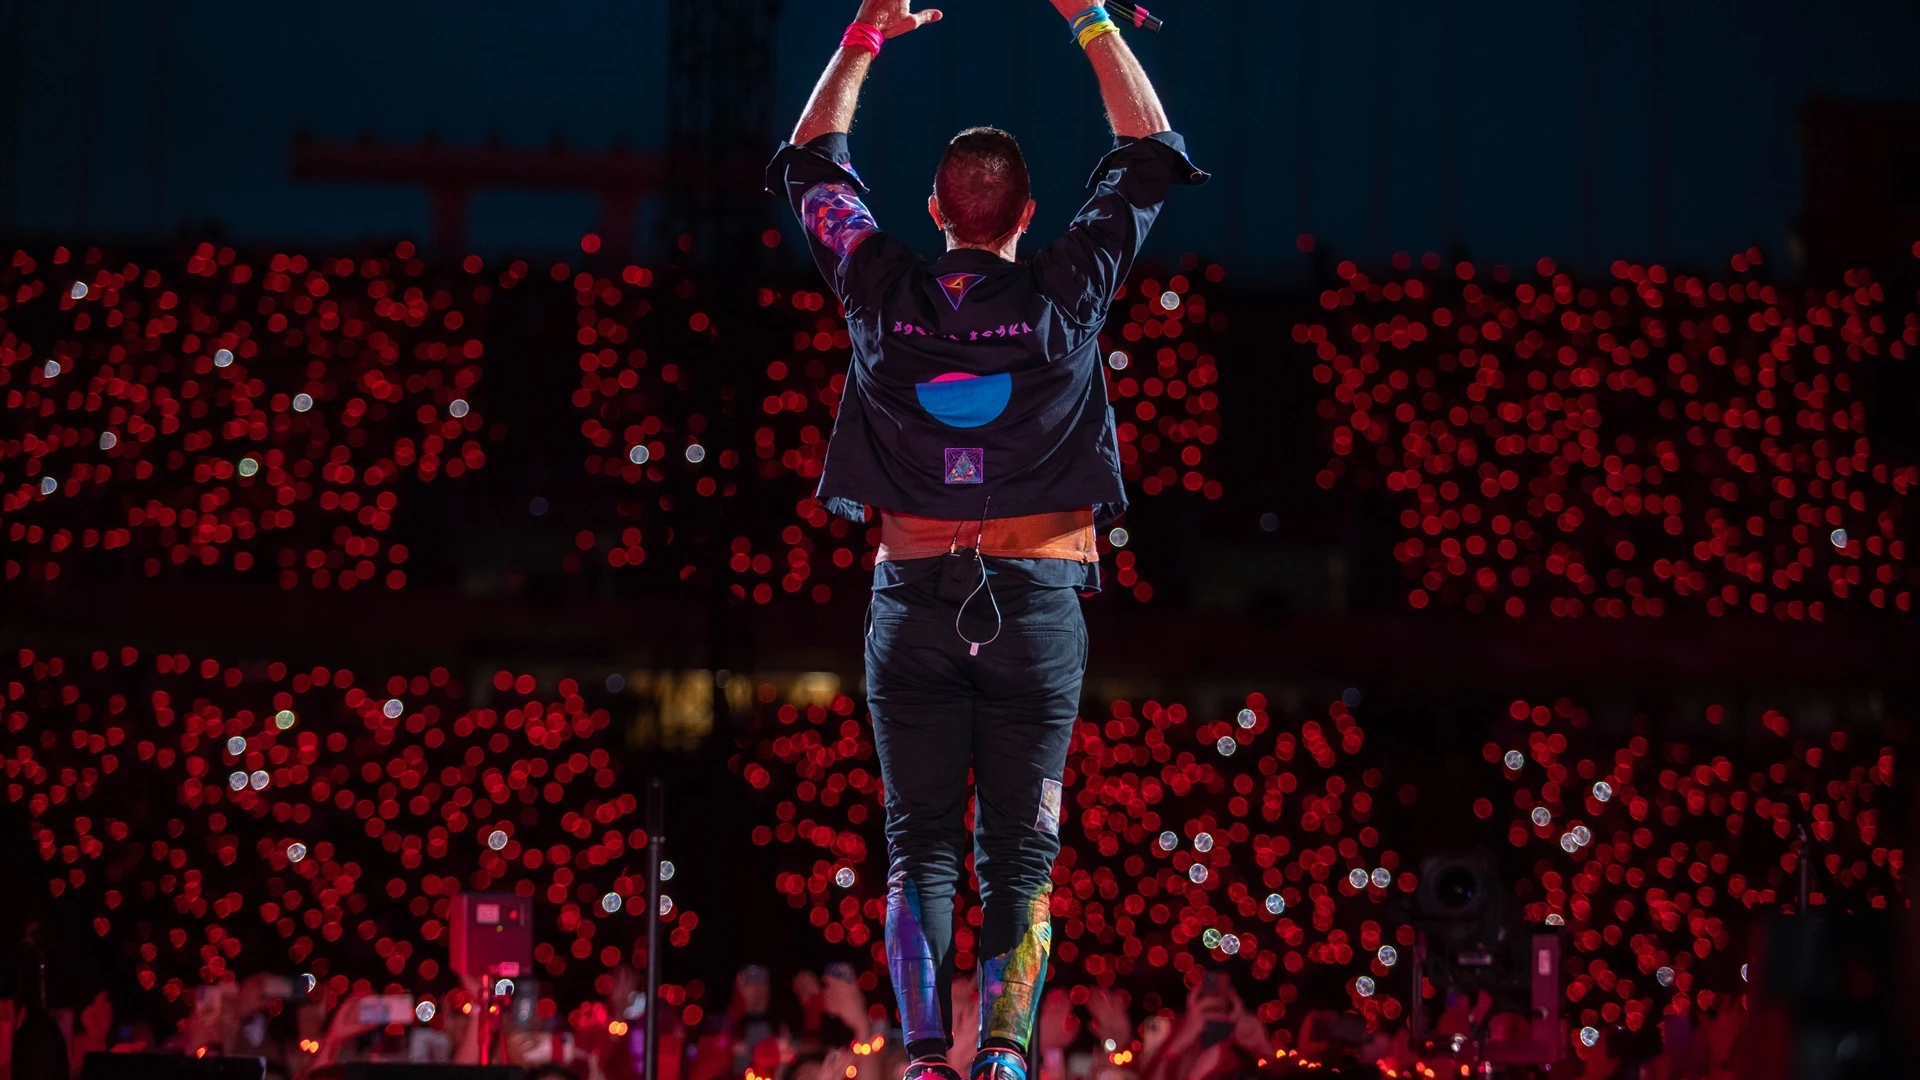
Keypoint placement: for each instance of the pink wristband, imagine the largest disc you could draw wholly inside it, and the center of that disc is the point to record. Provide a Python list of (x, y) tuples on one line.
[(861, 35)]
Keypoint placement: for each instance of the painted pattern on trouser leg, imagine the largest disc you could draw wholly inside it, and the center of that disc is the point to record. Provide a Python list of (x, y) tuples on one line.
[(910, 960), (1010, 983)]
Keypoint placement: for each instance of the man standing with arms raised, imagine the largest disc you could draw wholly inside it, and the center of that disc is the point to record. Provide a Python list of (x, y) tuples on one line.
[(975, 422)]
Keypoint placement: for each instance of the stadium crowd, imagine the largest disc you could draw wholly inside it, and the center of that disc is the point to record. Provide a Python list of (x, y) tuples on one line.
[(824, 1027)]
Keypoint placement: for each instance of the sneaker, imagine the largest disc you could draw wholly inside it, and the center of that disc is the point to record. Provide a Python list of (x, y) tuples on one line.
[(932, 1069), (998, 1063)]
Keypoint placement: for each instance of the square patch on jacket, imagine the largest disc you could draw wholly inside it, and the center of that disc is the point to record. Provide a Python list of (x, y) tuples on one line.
[(966, 465)]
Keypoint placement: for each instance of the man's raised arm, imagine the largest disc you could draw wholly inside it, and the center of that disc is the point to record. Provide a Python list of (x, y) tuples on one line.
[(813, 169), (1082, 271), (837, 93), (1133, 108)]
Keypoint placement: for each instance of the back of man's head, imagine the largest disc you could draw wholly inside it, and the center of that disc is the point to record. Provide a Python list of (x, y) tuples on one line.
[(982, 185)]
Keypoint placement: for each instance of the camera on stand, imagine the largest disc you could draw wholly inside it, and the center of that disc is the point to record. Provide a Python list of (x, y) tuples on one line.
[(1473, 947)]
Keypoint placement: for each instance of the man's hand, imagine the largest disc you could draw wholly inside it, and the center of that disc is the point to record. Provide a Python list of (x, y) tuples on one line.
[(847, 1004), (896, 17), (1109, 1013), (1133, 108)]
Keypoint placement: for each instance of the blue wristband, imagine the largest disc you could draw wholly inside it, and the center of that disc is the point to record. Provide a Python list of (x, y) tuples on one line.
[(1095, 14)]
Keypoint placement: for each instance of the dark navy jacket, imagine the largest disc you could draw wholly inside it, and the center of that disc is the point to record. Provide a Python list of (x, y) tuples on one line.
[(974, 377)]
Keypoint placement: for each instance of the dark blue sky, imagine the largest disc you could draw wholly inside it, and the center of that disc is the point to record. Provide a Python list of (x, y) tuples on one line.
[(1580, 130)]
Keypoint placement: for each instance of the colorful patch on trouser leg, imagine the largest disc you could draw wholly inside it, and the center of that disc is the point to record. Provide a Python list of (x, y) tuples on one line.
[(911, 963), (1010, 983), (1048, 819)]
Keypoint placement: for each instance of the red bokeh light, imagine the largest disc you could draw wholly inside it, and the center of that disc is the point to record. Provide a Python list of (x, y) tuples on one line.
[(1662, 442), (258, 417)]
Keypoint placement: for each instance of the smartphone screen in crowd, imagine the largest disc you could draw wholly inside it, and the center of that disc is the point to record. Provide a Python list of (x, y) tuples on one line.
[(383, 1009)]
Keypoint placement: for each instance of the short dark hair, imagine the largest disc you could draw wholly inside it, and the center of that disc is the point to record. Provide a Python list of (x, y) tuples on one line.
[(982, 185)]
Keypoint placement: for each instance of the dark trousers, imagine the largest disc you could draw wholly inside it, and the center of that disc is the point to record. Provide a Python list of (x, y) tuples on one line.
[(1006, 713)]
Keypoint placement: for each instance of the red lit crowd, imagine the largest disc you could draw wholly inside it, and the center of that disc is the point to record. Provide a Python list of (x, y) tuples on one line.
[(1657, 443), (822, 1028)]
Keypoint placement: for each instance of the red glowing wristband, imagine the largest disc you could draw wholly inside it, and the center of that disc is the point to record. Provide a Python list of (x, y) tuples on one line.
[(862, 35)]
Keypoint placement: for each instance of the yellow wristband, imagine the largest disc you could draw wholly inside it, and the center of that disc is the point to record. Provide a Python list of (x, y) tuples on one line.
[(1104, 26)]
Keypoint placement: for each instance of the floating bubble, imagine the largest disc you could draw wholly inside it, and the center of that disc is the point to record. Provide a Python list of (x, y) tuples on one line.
[(308, 982), (1556, 919), (1276, 903), (1582, 835), (1357, 878), (48, 485), (1203, 842), (424, 1012), (458, 408), (1118, 537), (1838, 538), (1589, 1036), (696, 453), (1568, 844), (108, 440), (1269, 522), (638, 455), (1197, 873), (237, 745), (237, 782), (1388, 956), (1247, 719), (1664, 976), (497, 839), (296, 851), (223, 358), (284, 719), (503, 988), (1350, 697), (1230, 944), (51, 369), (844, 877), (1211, 938), (537, 506), (611, 903), (1363, 986), (1743, 973), (616, 683), (1168, 841), (1117, 360), (1602, 791), (666, 905), (1382, 877), (1169, 300), (248, 466), (259, 780), (302, 402), (666, 870), (79, 290), (393, 708), (1226, 746), (1542, 816), (1515, 759)]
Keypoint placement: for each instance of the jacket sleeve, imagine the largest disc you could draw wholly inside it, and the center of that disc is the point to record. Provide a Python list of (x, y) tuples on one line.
[(820, 184), (1081, 271)]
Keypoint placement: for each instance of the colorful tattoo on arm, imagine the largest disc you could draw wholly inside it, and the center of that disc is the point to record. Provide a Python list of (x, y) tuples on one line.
[(836, 217)]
